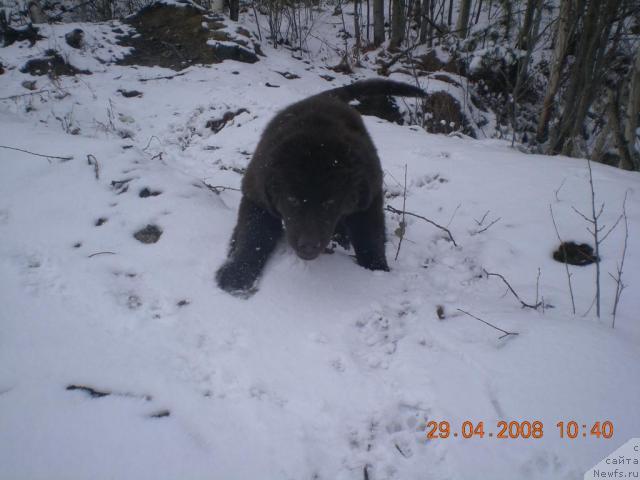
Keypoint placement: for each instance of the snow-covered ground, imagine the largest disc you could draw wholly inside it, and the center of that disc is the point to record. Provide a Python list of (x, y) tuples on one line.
[(329, 371)]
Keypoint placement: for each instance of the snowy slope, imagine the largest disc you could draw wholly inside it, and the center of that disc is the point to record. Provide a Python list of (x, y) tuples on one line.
[(329, 370)]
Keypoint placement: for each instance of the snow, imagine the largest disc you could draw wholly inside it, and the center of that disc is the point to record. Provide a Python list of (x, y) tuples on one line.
[(329, 368)]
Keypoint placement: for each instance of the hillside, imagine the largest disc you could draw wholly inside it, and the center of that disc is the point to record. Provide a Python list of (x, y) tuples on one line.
[(122, 359)]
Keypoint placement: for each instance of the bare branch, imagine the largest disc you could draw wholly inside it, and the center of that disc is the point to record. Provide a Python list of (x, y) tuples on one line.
[(488, 226), (91, 160), (618, 279), (24, 94), (101, 253), (581, 214), (523, 303), (596, 240), (453, 215), (479, 223), (604, 237), (566, 264), (166, 77), (218, 189), (557, 191), (403, 223), (402, 212), (506, 334), (49, 157)]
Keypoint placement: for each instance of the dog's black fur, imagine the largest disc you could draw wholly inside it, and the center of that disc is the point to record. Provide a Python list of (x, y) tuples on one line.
[(316, 170)]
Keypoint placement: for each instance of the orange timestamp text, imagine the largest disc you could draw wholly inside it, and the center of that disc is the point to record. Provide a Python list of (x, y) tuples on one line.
[(519, 429)]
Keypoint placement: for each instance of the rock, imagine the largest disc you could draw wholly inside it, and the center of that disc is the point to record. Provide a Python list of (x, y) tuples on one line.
[(148, 234), (75, 38)]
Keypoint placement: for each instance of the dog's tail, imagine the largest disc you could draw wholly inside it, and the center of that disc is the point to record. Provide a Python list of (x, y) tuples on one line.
[(375, 86)]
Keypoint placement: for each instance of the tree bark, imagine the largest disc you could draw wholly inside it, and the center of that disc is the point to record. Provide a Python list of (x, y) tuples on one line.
[(507, 13), (631, 116), (626, 161), (563, 33), (587, 72), (523, 36), (356, 24), (378, 22), (425, 12), (234, 10), (462, 24), (397, 23)]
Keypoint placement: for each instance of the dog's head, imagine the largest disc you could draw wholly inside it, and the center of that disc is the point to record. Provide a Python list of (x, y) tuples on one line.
[(311, 190)]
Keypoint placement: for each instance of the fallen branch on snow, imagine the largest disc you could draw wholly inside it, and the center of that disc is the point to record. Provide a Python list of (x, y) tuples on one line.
[(506, 334), (391, 209), (48, 157), (523, 303)]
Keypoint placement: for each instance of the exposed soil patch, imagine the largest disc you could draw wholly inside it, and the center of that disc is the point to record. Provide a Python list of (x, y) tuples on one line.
[(176, 37), (580, 254), (145, 192), (149, 234), (11, 35), (431, 63), (129, 93), (160, 414), (445, 115), (53, 64), (219, 123), (288, 75), (120, 186)]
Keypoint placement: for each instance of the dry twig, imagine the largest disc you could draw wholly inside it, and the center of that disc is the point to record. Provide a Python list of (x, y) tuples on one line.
[(391, 209), (618, 278), (101, 253), (403, 224), (12, 97), (218, 189), (91, 160), (48, 157), (523, 303), (506, 334), (566, 265)]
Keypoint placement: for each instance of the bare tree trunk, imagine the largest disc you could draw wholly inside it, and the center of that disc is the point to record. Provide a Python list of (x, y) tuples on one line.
[(378, 22), (478, 13), (36, 13), (425, 14), (507, 14), (587, 73), (234, 10), (356, 24), (449, 18), (526, 25), (397, 23), (368, 21), (523, 65), (626, 161), (563, 33), (631, 117), (462, 24)]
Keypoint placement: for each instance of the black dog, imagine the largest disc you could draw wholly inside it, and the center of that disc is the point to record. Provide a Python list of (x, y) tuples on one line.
[(316, 170)]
